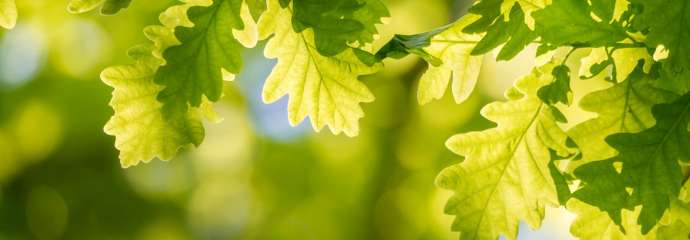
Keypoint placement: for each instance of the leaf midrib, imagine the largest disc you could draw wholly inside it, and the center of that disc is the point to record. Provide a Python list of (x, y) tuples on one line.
[(503, 171)]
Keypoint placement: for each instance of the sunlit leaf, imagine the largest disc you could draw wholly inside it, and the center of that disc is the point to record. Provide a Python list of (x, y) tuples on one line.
[(592, 224), (627, 108), (505, 177), (325, 89), (678, 227), (570, 22), (668, 24), (651, 159), (454, 48), (141, 128)]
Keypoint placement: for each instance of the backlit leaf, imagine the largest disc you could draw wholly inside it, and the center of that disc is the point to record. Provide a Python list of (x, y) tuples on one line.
[(668, 23), (505, 177), (570, 22), (325, 89)]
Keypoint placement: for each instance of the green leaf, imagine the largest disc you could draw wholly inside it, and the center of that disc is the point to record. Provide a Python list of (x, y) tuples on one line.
[(668, 24), (402, 45), (624, 59), (506, 22), (650, 159), (110, 7), (143, 130), (448, 52), (678, 230), (604, 9), (206, 52), (257, 7), (677, 82), (592, 224), (559, 178), (626, 108), (325, 89), (514, 33), (505, 176), (559, 90), (603, 188), (678, 227), (337, 23), (570, 22), (8, 14), (491, 10), (454, 48)]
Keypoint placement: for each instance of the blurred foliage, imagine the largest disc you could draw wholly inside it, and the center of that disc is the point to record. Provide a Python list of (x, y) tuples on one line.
[(253, 178)]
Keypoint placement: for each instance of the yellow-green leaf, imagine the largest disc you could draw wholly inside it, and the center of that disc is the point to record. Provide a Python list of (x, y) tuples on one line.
[(325, 89), (142, 131), (678, 217), (505, 178), (593, 224), (628, 108), (454, 48)]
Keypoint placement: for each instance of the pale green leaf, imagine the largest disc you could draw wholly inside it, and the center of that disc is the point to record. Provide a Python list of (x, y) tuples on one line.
[(678, 217), (142, 132), (8, 14), (454, 49), (142, 129), (593, 224), (627, 108), (625, 59), (325, 89), (505, 176)]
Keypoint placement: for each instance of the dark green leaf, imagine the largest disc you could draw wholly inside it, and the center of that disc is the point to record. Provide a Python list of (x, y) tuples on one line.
[(337, 23), (650, 159), (193, 68), (604, 9), (570, 22), (514, 33), (489, 10), (667, 23), (403, 45), (603, 187), (559, 89)]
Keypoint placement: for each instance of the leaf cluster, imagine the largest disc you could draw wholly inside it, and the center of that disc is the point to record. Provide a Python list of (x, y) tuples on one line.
[(624, 172)]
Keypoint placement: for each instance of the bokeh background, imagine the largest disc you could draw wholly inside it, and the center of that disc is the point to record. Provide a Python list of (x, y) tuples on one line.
[(254, 177)]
